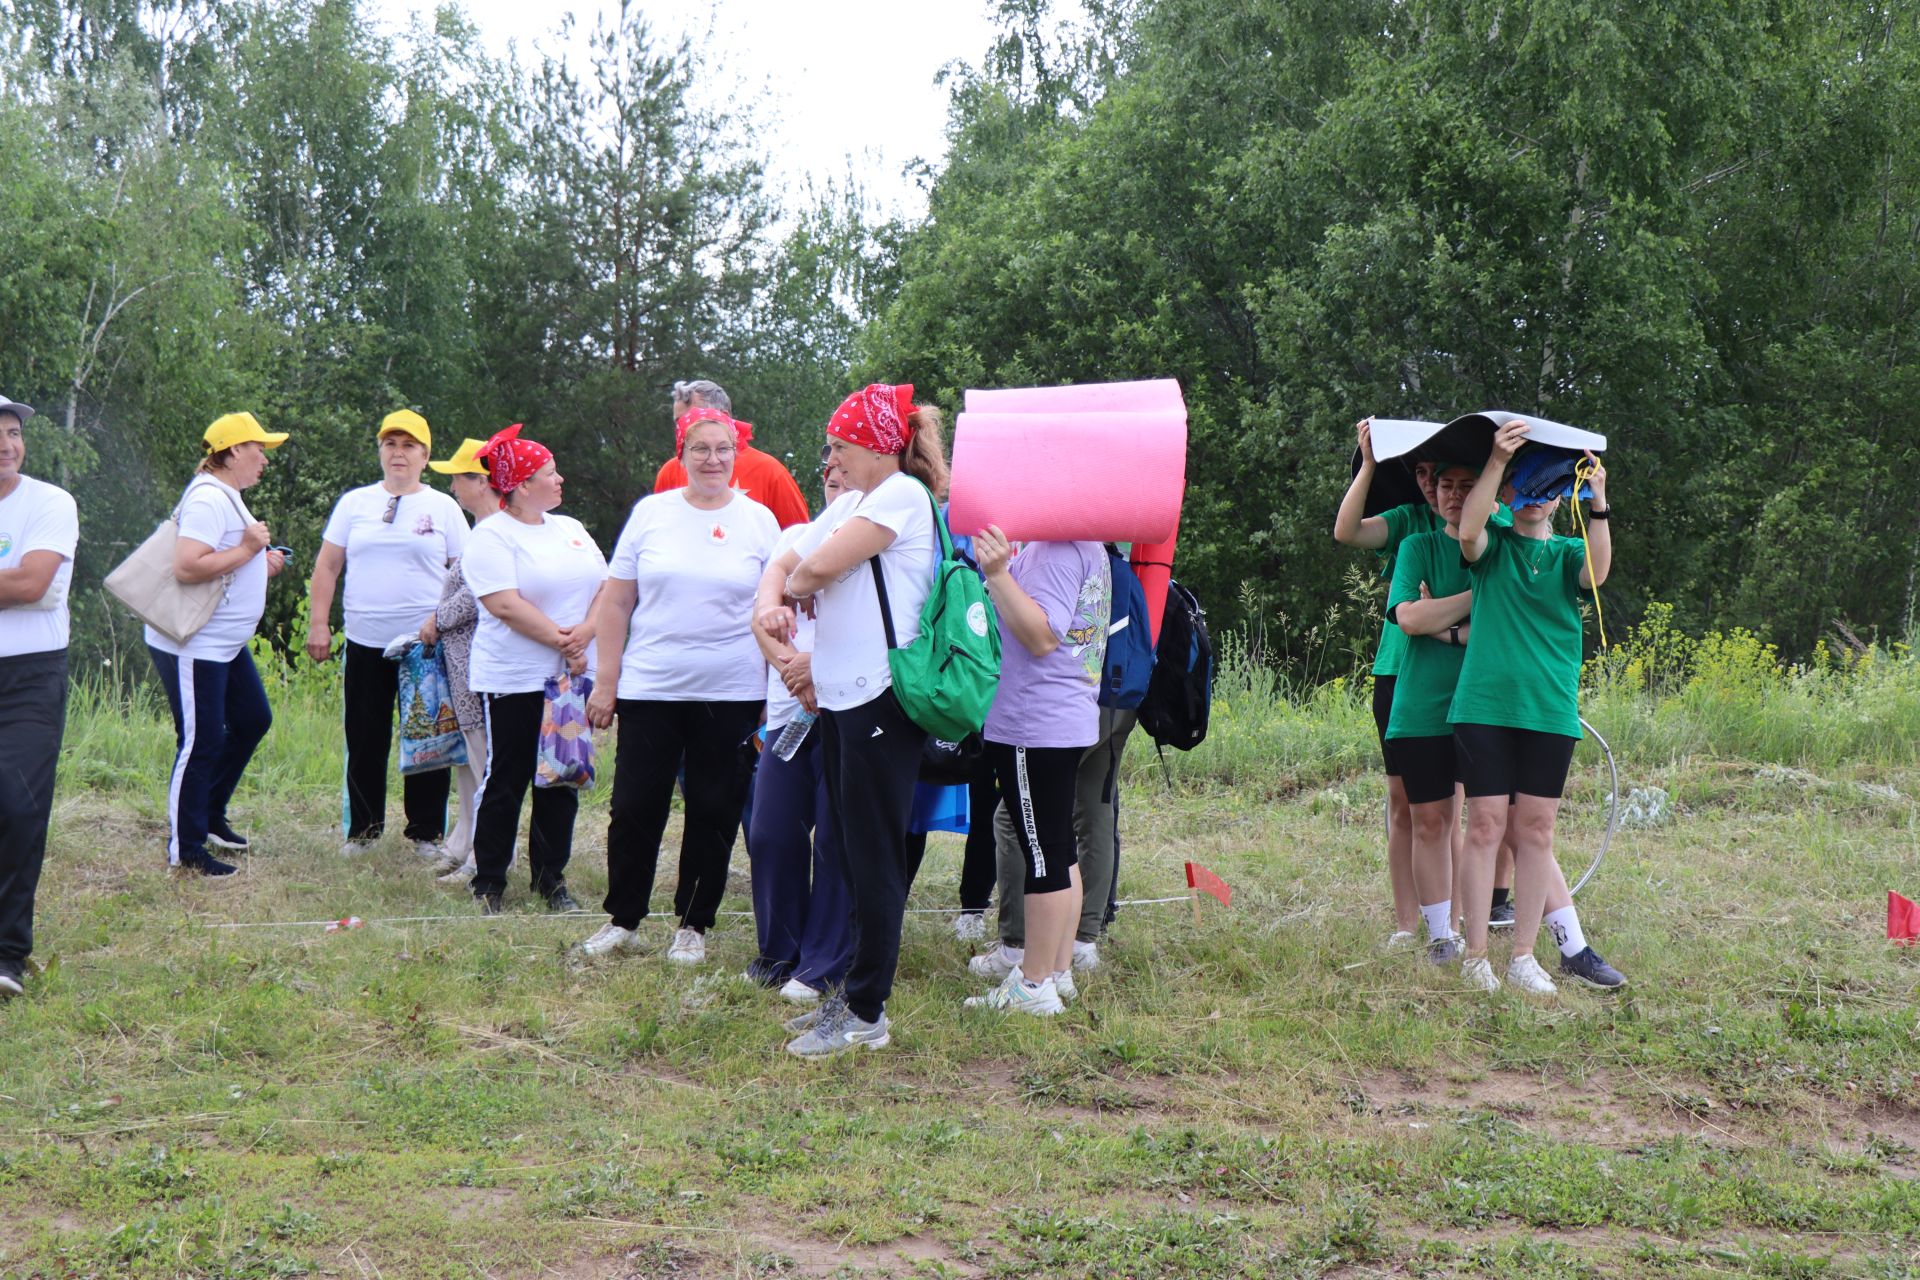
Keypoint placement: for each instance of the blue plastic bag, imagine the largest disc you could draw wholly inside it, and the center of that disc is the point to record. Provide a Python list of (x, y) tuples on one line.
[(430, 736)]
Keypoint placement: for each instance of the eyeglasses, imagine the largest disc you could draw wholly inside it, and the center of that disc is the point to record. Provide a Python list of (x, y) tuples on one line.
[(393, 509), (702, 452), (826, 454)]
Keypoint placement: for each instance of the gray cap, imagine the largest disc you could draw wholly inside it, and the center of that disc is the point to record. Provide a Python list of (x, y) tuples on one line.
[(18, 410)]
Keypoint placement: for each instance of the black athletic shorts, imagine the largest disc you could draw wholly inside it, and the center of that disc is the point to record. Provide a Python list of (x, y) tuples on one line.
[(1427, 769), (1497, 761), (1039, 785), (1382, 712)]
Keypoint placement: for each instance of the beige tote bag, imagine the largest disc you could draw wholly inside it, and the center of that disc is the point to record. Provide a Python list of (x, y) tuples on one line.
[(144, 582)]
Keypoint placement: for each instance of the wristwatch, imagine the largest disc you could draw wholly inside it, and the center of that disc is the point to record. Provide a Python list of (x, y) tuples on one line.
[(1453, 634)]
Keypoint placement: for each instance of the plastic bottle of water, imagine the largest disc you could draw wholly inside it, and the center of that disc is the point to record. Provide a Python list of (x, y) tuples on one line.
[(788, 743)]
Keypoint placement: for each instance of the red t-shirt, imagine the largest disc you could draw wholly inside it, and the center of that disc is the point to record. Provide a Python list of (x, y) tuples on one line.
[(758, 475)]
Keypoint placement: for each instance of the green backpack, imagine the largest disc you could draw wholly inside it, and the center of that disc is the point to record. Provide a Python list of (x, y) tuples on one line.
[(946, 679)]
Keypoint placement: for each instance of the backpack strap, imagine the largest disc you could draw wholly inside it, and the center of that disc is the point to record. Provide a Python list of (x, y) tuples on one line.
[(880, 577), (886, 609)]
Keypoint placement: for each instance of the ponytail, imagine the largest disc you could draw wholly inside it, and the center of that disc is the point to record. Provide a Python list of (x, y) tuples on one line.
[(925, 458)]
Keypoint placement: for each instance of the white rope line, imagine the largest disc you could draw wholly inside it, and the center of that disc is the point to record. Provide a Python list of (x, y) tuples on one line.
[(584, 915)]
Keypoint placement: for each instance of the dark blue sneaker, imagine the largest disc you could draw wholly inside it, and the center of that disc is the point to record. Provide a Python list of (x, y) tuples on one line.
[(1501, 915), (207, 866), (13, 976), (1589, 968), (1445, 951), (222, 836)]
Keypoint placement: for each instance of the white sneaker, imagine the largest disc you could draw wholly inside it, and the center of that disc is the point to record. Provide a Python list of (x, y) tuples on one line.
[(356, 848), (1400, 938), (1525, 973), (1477, 973), (1086, 956), (430, 851), (999, 962), (970, 926), (798, 992), (460, 874), (447, 861), (1064, 986), (1014, 995), (610, 938), (689, 947)]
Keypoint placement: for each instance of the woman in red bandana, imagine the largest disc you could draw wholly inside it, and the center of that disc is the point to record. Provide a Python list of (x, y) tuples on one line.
[(895, 462), (536, 575)]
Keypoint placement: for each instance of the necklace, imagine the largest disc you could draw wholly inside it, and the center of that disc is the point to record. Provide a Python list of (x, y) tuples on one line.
[(1532, 559)]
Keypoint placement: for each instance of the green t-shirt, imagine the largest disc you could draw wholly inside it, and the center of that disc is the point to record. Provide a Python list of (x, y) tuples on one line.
[(1430, 668), (1522, 669), (1402, 523)]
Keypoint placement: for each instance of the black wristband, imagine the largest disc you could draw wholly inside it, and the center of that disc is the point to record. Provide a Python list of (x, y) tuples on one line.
[(1605, 513), (1453, 634)]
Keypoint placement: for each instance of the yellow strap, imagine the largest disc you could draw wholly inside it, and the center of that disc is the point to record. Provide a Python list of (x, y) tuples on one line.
[(1582, 473)]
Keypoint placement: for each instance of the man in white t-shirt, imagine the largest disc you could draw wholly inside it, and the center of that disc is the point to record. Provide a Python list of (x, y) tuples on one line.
[(39, 529)]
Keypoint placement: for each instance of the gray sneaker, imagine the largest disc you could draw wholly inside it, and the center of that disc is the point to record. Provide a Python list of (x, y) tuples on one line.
[(1500, 917), (1444, 951), (841, 1035), (832, 1006)]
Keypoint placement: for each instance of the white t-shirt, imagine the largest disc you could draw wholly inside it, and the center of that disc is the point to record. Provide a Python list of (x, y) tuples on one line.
[(555, 567), (695, 573), (394, 570), (781, 705), (213, 514), (37, 516), (849, 644)]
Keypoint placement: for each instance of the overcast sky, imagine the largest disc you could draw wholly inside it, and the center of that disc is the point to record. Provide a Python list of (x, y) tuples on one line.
[(837, 81)]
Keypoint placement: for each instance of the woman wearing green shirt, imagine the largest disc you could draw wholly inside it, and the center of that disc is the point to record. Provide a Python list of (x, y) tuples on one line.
[(1515, 714), (1429, 603), (1384, 533)]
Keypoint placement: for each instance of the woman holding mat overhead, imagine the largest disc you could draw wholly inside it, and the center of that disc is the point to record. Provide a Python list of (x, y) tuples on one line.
[(1053, 601), (1384, 533), (1429, 602), (893, 455), (1515, 714)]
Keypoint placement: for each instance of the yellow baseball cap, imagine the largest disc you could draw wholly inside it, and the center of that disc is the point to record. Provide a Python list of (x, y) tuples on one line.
[(230, 429), (407, 422), (465, 460)]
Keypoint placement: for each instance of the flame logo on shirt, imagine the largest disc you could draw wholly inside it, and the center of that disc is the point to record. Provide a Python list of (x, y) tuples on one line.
[(718, 534)]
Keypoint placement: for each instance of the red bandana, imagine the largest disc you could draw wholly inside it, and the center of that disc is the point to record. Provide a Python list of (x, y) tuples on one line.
[(512, 461), (742, 431), (875, 418)]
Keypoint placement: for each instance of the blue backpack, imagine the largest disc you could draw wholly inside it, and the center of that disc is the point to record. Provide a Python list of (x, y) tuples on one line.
[(1129, 664)]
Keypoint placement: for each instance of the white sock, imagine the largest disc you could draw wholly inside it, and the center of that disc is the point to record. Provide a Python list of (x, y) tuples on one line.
[(1564, 925), (1439, 919)]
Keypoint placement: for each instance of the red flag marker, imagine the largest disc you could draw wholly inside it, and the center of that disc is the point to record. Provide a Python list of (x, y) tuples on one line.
[(1903, 919), (1200, 880)]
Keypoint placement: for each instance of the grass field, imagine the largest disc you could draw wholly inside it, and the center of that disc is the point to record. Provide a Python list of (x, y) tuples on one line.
[(1266, 1094)]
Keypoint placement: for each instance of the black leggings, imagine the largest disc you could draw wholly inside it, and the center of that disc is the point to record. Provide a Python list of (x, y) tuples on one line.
[(656, 739), (513, 750), (371, 685), (1497, 761), (873, 760), (1039, 783)]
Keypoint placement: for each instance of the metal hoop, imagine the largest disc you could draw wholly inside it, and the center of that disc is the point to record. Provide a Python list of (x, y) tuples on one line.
[(1613, 809)]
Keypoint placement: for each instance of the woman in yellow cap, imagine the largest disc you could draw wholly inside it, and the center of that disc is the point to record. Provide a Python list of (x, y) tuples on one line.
[(452, 627), (394, 540), (220, 710)]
